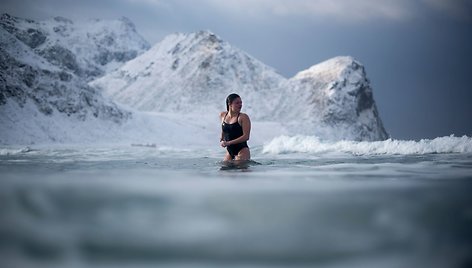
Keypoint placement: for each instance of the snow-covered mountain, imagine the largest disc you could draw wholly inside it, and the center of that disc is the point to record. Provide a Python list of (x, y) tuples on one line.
[(193, 73), (88, 48), (41, 100)]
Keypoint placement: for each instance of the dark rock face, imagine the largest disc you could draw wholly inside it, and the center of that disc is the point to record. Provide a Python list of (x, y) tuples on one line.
[(62, 57), (364, 99), (105, 56), (15, 77), (32, 37)]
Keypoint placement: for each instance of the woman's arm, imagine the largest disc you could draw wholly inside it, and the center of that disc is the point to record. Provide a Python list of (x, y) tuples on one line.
[(246, 125), (222, 114)]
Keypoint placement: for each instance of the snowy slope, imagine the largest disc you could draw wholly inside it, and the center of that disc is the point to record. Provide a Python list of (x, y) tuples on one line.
[(193, 73), (88, 48)]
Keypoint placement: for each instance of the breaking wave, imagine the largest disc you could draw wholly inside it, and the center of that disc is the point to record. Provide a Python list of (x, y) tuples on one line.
[(313, 145)]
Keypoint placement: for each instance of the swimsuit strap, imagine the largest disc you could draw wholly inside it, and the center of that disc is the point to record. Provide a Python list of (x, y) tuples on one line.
[(225, 117), (237, 119)]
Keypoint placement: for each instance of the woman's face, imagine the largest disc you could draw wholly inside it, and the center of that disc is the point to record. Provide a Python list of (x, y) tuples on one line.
[(236, 105)]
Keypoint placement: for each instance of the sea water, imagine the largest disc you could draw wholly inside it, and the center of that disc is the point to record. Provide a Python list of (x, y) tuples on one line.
[(152, 206)]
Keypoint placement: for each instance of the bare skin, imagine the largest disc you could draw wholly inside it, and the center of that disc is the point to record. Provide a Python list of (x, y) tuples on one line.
[(245, 122)]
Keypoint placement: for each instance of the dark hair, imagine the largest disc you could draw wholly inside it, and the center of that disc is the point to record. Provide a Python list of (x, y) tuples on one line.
[(230, 99)]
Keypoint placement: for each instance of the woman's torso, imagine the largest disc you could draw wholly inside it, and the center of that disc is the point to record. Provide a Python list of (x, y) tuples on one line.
[(231, 131)]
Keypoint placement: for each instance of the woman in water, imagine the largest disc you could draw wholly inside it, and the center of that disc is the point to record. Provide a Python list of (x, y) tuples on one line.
[(236, 128)]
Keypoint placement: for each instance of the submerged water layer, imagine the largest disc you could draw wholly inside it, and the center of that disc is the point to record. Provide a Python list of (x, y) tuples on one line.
[(148, 207)]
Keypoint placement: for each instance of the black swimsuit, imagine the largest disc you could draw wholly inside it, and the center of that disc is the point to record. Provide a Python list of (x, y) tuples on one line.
[(231, 132)]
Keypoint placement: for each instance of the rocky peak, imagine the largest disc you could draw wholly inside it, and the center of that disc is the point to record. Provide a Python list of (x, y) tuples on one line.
[(339, 91), (200, 42), (209, 40)]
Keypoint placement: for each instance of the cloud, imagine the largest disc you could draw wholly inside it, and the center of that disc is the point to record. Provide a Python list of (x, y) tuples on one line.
[(460, 9), (156, 3), (341, 10), (337, 10)]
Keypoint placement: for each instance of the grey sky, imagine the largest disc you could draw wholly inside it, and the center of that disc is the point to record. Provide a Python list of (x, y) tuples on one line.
[(417, 53)]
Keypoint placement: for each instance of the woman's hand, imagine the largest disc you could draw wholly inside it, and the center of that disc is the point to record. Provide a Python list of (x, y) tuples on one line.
[(223, 144)]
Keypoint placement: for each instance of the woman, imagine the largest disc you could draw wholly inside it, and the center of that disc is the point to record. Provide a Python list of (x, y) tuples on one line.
[(236, 128)]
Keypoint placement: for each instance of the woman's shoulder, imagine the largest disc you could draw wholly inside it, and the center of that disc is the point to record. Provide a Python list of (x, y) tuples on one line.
[(223, 113), (244, 116)]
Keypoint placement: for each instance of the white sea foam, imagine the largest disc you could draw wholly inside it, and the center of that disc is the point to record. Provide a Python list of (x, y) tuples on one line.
[(13, 151), (313, 145)]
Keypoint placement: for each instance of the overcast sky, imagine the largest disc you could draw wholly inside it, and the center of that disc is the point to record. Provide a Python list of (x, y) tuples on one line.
[(417, 53)]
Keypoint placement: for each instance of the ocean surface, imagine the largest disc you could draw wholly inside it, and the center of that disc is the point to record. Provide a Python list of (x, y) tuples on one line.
[(151, 206)]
